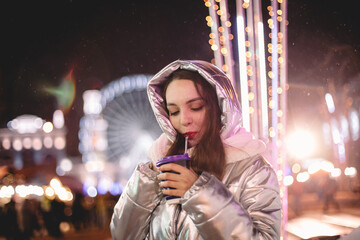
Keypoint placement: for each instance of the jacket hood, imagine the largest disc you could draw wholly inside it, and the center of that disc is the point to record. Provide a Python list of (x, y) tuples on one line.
[(238, 143), (231, 112)]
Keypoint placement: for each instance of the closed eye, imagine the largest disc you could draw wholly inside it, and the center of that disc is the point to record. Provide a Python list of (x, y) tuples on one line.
[(197, 108), (173, 113)]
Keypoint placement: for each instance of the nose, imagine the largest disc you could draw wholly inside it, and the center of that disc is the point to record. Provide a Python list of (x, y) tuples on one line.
[(185, 118)]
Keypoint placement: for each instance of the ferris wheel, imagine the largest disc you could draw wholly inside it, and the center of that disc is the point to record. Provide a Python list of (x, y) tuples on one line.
[(131, 124)]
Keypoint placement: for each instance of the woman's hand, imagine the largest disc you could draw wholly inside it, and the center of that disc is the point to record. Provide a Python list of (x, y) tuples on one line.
[(181, 182)]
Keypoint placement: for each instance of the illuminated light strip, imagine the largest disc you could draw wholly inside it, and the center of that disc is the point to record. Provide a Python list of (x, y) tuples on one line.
[(263, 84), (283, 104), (264, 126), (242, 65), (274, 84), (214, 29), (251, 34), (227, 43)]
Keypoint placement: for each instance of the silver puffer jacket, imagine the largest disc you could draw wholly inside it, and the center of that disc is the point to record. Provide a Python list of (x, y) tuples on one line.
[(245, 204)]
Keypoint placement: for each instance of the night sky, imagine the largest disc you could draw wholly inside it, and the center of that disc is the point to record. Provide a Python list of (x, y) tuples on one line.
[(41, 42)]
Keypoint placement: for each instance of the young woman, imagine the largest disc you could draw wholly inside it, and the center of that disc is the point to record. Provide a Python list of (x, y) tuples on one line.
[(229, 191)]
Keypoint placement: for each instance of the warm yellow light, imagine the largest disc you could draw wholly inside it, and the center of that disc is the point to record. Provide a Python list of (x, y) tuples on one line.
[(303, 177), (247, 44), (37, 144), (27, 143), (64, 227), (212, 35), (271, 74), (350, 171), (221, 29), (225, 68), (301, 144), (251, 96), (208, 18), (251, 110), (288, 180), (272, 133), (271, 104), (208, 4), (214, 47), (59, 143), (296, 168), (49, 192), (219, 12), (211, 41), (55, 183), (279, 12), (228, 23), (279, 90), (336, 172), (48, 127), (224, 51)]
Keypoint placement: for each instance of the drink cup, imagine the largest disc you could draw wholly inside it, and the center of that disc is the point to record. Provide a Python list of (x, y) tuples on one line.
[(183, 160)]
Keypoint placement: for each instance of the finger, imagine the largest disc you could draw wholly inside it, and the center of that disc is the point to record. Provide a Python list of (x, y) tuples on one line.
[(169, 176), (167, 184)]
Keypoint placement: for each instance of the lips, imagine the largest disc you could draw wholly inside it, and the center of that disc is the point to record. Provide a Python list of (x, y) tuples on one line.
[(190, 135)]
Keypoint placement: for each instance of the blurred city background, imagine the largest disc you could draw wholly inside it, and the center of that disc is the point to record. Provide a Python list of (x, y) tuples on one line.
[(75, 119)]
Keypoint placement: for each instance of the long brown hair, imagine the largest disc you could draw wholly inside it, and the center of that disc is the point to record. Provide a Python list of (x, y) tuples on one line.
[(209, 154)]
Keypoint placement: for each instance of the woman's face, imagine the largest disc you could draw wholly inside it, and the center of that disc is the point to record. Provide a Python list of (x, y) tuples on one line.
[(186, 109)]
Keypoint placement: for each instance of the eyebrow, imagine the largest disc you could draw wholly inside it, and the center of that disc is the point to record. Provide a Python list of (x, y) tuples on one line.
[(187, 102)]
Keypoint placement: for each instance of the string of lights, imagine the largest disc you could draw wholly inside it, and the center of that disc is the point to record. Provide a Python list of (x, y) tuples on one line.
[(277, 92), (262, 92), (220, 36)]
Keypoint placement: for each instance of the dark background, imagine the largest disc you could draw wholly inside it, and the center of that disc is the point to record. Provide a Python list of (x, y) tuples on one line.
[(41, 42)]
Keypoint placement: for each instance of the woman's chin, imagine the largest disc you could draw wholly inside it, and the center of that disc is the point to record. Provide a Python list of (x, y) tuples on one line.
[(192, 142)]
